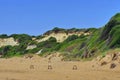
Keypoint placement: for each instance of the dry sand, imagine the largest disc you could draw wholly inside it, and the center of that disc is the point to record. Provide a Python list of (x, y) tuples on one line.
[(19, 69)]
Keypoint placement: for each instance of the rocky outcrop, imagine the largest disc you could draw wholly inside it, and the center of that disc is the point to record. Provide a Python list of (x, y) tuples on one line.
[(8, 41), (111, 60)]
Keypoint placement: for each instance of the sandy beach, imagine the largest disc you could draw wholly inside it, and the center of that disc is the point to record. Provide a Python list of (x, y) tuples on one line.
[(20, 68)]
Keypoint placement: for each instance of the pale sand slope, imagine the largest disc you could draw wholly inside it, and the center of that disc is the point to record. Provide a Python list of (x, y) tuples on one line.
[(19, 69)]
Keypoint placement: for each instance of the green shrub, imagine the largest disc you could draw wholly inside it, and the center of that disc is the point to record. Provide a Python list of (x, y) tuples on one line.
[(52, 39), (22, 38), (72, 37), (4, 36)]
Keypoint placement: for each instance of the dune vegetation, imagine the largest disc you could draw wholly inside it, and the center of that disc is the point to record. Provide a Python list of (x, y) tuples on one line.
[(74, 47)]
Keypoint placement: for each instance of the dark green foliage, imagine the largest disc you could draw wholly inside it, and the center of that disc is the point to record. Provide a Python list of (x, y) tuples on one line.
[(9, 51), (72, 37), (55, 30), (52, 39), (107, 29), (39, 37), (72, 30), (48, 43), (5, 49), (22, 38), (4, 36), (91, 30), (33, 42), (115, 37)]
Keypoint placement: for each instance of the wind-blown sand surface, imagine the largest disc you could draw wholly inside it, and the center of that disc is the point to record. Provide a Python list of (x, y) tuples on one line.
[(19, 69)]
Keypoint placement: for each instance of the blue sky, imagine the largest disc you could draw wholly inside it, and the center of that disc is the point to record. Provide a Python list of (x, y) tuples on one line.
[(34, 17)]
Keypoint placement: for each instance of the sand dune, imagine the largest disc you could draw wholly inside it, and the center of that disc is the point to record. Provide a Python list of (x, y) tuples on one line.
[(20, 69)]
